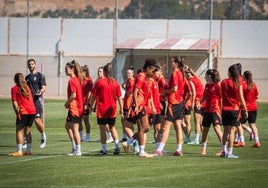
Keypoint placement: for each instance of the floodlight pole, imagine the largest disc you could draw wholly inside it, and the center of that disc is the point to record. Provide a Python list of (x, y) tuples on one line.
[(210, 63), (27, 39)]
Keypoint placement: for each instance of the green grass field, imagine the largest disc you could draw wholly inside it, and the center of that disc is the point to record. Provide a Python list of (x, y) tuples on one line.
[(51, 167)]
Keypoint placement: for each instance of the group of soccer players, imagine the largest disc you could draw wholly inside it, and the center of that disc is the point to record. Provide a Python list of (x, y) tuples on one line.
[(150, 100)]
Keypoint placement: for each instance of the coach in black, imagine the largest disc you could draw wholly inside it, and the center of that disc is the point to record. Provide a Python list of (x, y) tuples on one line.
[(37, 82)]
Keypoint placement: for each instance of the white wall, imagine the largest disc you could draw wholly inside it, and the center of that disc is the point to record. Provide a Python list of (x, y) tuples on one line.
[(90, 41)]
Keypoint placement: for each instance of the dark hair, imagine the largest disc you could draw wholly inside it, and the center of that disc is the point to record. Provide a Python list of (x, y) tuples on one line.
[(76, 67), (248, 78), (29, 60), (239, 68), (22, 84), (85, 69), (149, 62), (234, 73), (178, 60), (214, 75), (156, 68), (108, 70)]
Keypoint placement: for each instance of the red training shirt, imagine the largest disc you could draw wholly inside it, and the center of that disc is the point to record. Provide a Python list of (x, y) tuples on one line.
[(26, 105), (76, 105)]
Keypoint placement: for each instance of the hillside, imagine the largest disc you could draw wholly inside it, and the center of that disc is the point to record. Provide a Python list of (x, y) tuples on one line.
[(11, 7), (39, 7)]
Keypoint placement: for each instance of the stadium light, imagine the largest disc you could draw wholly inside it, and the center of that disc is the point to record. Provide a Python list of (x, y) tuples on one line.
[(210, 63), (27, 39)]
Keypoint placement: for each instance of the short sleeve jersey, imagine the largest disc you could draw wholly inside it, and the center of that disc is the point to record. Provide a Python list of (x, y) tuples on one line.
[(26, 105), (35, 82), (212, 95), (86, 88), (141, 85), (187, 90), (251, 96), (199, 88), (128, 98), (162, 85), (76, 105), (230, 95), (106, 91), (176, 79)]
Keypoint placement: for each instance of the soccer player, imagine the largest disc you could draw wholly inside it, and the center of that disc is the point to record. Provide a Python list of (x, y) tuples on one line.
[(25, 111), (197, 108), (140, 103), (155, 117), (74, 104), (188, 106), (37, 83), (86, 91), (106, 92), (162, 86), (174, 113), (250, 92), (232, 98), (128, 121), (212, 112)]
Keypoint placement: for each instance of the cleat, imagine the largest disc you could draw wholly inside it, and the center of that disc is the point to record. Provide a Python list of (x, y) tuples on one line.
[(223, 154), (240, 144), (24, 146), (158, 153), (16, 154), (146, 155), (135, 147), (178, 153), (232, 156), (256, 145), (203, 151), (187, 141), (110, 140), (194, 142), (101, 153), (28, 153), (87, 139), (125, 147), (43, 142), (116, 151), (75, 153)]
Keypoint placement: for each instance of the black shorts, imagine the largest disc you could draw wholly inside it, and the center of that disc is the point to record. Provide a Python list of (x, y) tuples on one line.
[(211, 118), (187, 111), (25, 120), (199, 111), (85, 112), (130, 118), (39, 111), (230, 118), (164, 107), (104, 121), (133, 118), (252, 116), (72, 119), (154, 119), (177, 112)]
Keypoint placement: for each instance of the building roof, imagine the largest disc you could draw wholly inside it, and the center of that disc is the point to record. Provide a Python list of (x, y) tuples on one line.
[(167, 44)]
